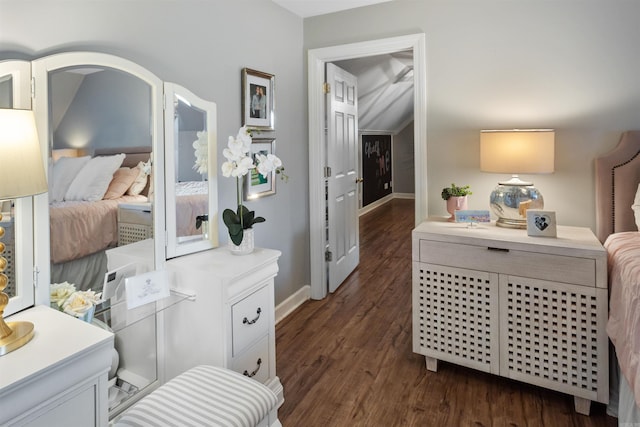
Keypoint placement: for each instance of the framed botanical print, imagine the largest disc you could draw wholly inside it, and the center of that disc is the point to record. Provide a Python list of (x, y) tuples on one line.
[(258, 101), (257, 185)]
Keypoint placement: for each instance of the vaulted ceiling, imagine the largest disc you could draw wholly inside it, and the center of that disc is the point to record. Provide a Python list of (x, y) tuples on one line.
[(385, 90)]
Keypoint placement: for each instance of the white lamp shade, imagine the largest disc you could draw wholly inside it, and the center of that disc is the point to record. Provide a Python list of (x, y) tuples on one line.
[(517, 151), (21, 167)]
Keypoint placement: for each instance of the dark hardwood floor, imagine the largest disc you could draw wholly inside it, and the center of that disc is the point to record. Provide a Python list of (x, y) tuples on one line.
[(347, 360)]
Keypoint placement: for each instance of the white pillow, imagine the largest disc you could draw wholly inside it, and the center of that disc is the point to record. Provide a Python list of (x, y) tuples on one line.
[(93, 179), (64, 171), (636, 207)]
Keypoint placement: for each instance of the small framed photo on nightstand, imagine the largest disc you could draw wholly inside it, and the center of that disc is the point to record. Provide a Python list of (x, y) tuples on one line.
[(541, 223)]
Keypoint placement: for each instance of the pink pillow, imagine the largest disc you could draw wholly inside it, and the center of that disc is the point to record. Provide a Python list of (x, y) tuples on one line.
[(122, 180)]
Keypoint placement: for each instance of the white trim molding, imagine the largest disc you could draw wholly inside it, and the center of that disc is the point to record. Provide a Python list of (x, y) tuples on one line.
[(294, 301), (317, 58)]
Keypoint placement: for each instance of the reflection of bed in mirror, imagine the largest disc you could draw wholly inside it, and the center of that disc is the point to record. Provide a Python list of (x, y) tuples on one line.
[(81, 230), (192, 200)]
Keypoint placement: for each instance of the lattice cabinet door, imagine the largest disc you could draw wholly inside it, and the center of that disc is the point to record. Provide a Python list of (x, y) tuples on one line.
[(455, 316), (553, 335)]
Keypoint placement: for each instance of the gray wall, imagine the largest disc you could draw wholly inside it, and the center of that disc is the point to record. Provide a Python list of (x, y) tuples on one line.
[(110, 109), (201, 45), (403, 161), (495, 64)]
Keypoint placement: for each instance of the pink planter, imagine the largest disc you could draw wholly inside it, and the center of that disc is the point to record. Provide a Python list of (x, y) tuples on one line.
[(456, 204)]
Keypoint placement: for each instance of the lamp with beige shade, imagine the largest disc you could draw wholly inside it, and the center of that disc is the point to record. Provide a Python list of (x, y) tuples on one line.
[(516, 151), (21, 175)]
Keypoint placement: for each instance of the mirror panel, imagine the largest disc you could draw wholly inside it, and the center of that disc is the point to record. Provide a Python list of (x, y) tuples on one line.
[(191, 191), (98, 117), (17, 214), (97, 113)]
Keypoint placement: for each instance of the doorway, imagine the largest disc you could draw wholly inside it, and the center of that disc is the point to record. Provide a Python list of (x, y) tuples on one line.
[(317, 59)]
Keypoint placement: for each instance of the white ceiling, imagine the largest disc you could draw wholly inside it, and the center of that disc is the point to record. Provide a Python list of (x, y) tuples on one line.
[(307, 8)]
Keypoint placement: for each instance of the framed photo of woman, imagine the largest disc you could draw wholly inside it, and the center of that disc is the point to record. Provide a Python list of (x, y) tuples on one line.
[(258, 101)]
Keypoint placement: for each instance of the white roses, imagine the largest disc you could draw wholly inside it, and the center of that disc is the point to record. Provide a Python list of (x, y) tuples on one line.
[(65, 297)]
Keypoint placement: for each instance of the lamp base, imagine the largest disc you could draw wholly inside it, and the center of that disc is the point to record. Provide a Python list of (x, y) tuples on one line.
[(511, 223), (510, 200), (22, 334)]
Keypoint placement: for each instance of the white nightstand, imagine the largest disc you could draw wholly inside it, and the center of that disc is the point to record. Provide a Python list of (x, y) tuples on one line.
[(135, 222), (532, 309)]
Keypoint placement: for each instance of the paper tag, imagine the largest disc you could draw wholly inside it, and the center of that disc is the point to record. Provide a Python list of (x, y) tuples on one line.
[(146, 288), (472, 216)]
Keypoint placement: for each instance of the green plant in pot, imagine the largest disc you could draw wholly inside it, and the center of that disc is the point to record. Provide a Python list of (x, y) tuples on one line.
[(239, 162), (455, 191), (456, 198)]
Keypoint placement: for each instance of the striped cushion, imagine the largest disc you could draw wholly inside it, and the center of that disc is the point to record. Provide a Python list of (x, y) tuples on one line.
[(203, 396)]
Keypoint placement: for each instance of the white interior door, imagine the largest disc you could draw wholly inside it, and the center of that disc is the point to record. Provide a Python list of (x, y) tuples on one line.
[(342, 161)]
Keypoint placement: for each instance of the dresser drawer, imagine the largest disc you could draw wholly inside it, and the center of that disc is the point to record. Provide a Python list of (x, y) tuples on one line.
[(250, 319), (254, 362), (557, 268)]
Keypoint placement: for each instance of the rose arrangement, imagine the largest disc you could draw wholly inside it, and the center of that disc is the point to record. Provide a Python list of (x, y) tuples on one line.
[(65, 297), (239, 163)]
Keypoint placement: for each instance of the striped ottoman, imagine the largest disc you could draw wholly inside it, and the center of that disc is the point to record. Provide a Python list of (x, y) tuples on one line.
[(203, 396)]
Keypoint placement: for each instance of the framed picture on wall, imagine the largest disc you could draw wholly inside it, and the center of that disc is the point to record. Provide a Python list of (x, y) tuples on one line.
[(258, 101), (257, 185)]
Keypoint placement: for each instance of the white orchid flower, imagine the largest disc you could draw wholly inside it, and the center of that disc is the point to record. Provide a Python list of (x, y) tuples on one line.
[(242, 167), (227, 168), (245, 137)]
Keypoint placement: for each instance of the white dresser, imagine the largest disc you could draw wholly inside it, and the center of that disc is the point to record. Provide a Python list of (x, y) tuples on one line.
[(230, 323), (59, 378), (533, 309)]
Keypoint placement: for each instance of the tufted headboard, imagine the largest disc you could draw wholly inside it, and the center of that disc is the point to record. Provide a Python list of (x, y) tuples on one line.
[(617, 179)]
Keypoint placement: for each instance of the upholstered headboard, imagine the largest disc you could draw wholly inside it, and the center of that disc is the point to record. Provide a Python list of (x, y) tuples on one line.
[(617, 179), (133, 154)]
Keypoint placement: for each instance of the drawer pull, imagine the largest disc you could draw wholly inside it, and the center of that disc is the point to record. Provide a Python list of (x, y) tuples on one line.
[(246, 321), (253, 374), (498, 249)]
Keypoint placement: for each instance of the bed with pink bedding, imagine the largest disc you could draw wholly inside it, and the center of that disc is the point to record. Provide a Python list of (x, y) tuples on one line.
[(81, 230), (618, 211)]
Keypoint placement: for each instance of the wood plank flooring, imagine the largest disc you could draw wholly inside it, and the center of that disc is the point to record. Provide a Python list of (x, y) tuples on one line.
[(348, 360)]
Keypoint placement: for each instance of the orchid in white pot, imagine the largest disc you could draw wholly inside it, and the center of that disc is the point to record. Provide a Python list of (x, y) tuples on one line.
[(239, 163)]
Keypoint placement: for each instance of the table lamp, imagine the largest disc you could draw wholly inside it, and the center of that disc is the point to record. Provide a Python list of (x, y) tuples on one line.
[(516, 151), (21, 174)]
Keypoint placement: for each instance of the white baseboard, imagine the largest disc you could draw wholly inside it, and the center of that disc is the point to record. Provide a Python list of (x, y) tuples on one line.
[(385, 199), (404, 196), (287, 306)]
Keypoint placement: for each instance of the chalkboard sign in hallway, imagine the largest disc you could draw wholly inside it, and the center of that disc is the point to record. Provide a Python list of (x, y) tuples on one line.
[(376, 167)]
